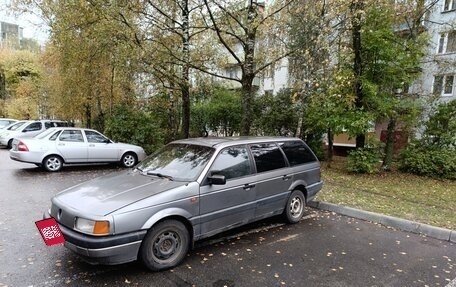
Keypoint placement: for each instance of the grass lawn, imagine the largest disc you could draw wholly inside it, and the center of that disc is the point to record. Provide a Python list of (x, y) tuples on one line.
[(393, 193)]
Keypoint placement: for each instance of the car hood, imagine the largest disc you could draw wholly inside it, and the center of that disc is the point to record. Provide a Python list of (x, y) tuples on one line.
[(109, 193)]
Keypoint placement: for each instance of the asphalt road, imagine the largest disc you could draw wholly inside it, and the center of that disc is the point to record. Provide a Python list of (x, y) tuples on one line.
[(324, 249)]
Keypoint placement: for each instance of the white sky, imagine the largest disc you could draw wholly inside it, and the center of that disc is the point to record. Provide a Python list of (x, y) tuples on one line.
[(33, 26)]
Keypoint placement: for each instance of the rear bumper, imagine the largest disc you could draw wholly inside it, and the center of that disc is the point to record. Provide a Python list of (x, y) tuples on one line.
[(29, 157), (313, 189), (109, 250)]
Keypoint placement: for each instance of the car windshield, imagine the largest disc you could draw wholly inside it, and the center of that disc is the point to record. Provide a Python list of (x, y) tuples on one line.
[(181, 162)]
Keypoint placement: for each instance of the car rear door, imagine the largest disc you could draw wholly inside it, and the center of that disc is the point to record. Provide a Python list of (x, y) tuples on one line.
[(225, 206), (273, 179), (100, 148), (72, 146)]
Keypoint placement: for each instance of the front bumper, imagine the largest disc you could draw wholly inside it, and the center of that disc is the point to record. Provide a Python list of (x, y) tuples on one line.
[(109, 250)]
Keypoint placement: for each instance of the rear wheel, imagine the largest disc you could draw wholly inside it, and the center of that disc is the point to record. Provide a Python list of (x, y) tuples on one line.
[(295, 207), (165, 245), (129, 159), (53, 163), (10, 144)]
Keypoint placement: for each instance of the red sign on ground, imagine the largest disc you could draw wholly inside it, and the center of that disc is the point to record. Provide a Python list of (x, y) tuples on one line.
[(50, 231)]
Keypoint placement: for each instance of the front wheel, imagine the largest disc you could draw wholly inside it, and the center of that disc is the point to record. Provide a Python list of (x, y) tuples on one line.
[(53, 163), (129, 160), (165, 245), (294, 210)]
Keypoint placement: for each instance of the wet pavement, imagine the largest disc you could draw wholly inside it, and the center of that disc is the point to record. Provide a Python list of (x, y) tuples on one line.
[(324, 249)]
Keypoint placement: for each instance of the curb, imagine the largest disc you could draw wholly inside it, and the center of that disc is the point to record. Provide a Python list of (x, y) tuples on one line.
[(399, 223)]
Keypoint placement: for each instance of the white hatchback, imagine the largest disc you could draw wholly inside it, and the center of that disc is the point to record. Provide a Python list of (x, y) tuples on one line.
[(58, 146)]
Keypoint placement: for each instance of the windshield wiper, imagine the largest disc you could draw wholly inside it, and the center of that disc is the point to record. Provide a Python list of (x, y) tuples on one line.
[(160, 175)]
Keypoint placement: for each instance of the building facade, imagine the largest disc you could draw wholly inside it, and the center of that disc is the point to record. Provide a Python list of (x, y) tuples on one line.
[(10, 32), (439, 64)]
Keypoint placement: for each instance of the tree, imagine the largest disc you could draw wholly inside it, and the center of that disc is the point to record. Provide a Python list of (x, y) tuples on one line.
[(22, 75), (392, 51), (219, 113), (165, 36), (276, 114), (252, 37), (89, 59)]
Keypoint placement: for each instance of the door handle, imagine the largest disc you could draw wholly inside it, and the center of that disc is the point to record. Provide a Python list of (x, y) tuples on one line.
[(61, 144), (286, 177), (91, 145), (249, 186)]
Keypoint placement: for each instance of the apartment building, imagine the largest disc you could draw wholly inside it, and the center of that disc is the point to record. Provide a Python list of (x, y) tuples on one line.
[(10, 32), (439, 64)]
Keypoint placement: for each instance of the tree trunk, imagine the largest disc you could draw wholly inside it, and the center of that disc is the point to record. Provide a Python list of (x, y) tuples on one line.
[(299, 127), (247, 98), (185, 86), (248, 72), (357, 7), (330, 151), (389, 147), (88, 116)]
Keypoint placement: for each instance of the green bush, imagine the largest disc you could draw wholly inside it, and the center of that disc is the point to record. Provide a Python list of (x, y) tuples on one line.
[(434, 154), (134, 127), (429, 160), (365, 160)]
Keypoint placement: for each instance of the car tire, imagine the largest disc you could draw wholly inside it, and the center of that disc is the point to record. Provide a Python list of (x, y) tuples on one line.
[(165, 245), (10, 144), (53, 163), (129, 160), (295, 208)]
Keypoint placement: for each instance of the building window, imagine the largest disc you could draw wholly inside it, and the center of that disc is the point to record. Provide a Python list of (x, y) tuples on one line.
[(231, 73), (443, 85), (449, 5), (269, 72), (447, 42)]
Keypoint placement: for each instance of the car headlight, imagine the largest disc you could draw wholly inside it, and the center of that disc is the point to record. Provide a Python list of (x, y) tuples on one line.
[(94, 227)]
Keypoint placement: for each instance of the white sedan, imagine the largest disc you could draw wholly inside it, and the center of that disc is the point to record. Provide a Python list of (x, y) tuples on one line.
[(58, 146)]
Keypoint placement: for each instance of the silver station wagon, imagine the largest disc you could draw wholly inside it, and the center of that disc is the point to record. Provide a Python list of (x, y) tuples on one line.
[(188, 190)]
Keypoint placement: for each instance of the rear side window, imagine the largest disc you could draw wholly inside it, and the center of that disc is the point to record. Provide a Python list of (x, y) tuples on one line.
[(297, 152), (232, 162), (33, 127), (267, 157)]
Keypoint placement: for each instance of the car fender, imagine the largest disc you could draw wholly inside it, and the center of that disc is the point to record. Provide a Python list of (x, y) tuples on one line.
[(297, 183), (52, 152), (169, 212)]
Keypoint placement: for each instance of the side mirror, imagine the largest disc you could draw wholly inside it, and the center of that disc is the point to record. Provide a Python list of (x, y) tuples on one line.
[(217, 179)]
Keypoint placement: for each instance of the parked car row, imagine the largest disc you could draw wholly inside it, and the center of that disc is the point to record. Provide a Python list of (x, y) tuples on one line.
[(51, 144), (25, 129)]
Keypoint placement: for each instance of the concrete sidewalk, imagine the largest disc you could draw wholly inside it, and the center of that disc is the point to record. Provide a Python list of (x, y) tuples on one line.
[(399, 223)]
